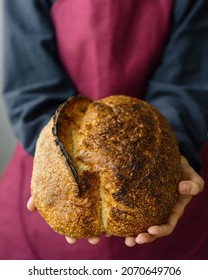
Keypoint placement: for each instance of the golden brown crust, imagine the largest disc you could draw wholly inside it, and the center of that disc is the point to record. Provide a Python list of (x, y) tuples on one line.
[(107, 166)]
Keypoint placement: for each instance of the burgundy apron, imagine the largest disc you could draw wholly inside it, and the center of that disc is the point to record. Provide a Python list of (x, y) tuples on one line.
[(107, 47)]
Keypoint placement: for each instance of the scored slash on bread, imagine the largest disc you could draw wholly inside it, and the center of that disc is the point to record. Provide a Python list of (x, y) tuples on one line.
[(108, 166)]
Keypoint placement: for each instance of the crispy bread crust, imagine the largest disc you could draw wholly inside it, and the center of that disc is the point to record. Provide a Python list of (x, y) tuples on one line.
[(107, 166)]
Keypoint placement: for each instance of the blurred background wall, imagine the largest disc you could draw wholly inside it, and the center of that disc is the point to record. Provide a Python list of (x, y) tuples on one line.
[(7, 139)]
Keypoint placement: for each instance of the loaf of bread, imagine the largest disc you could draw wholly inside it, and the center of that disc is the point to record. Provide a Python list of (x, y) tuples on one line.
[(108, 166)]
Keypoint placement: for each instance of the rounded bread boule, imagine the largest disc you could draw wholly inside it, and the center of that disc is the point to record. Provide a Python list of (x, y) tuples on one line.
[(108, 166)]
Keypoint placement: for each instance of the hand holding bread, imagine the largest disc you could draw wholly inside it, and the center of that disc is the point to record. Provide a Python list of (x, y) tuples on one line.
[(110, 166)]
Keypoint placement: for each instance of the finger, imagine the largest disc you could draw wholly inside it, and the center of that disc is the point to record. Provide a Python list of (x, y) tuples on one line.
[(94, 240), (190, 187), (145, 238), (31, 205), (130, 241), (71, 240), (190, 175)]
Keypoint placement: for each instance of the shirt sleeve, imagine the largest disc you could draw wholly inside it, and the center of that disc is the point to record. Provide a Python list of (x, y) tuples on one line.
[(179, 87), (35, 82)]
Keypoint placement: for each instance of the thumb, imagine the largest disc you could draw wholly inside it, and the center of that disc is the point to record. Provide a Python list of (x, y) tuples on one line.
[(31, 205)]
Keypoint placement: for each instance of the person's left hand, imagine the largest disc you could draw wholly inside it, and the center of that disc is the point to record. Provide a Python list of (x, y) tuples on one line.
[(191, 185)]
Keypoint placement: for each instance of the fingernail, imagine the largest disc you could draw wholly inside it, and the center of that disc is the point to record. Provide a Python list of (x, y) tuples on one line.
[(139, 239), (185, 188)]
